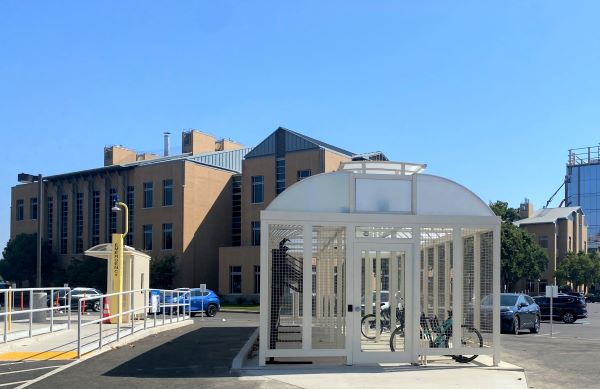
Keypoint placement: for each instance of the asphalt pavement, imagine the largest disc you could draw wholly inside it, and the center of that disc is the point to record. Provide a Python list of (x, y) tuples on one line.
[(568, 359), (198, 355)]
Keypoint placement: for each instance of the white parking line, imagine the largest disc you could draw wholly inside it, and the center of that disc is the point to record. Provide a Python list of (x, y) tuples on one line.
[(14, 383), (35, 368), (548, 334)]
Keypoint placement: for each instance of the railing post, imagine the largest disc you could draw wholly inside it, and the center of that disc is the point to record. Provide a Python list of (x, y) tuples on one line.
[(171, 310), (30, 312), (119, 316), (68, 293), (132, 300), (164, 306), (145, 307), (5, 316), (78, 330), (51, 310), (190, 307), (100, 325)]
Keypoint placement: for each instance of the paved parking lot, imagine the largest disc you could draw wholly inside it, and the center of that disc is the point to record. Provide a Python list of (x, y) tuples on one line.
[(567, 360)]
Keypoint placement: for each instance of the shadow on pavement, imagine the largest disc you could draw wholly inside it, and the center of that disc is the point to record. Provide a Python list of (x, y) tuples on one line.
[(205, 352)]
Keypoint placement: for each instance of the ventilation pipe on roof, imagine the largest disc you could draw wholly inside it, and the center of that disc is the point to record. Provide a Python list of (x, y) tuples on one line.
[(167, 136)]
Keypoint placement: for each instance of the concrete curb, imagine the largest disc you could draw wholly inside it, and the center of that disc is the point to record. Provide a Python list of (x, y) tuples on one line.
[(238, 311), (241, 356)]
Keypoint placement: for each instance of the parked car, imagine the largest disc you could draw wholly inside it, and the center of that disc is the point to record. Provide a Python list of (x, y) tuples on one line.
[(207, 302), (518, 312), (564, 307), (76, 294), (592, 297)]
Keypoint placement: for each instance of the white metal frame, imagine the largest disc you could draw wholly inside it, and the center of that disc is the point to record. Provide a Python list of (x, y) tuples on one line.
[(350, 221)]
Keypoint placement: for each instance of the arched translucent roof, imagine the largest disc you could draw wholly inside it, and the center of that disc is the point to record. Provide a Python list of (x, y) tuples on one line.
[(343, 191)]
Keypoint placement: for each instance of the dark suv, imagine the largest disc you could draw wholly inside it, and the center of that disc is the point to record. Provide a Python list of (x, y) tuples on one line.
[(564, 307)]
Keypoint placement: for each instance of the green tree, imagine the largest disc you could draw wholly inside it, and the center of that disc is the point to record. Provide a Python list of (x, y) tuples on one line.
[(579, 269), (520, 256), (162, 272), (19, 259), (87, 272)]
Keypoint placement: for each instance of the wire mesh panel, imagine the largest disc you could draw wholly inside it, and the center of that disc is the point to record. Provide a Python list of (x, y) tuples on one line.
[(436, 288), (477, 283), (286, 249), (328, 299)]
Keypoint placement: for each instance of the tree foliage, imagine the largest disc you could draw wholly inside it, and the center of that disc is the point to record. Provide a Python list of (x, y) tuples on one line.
[(521, 257), (20, 259), (162, 272), (579, 269)]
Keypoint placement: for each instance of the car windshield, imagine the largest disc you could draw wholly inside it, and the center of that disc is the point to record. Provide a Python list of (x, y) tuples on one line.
[(508, 300)]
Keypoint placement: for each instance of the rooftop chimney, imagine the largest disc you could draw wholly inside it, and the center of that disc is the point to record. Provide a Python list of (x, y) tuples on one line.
[(167, 143), (526, 209)]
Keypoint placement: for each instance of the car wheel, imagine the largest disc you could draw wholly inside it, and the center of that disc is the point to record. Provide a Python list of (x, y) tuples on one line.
[(569, 317), (96, 306), (211, 310), (536, 326), (515, 328)]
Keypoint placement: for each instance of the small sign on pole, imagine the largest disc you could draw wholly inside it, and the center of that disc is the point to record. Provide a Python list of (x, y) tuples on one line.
[(551, 293)]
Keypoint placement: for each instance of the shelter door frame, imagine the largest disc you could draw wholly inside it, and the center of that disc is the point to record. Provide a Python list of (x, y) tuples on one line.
[(400, 276)]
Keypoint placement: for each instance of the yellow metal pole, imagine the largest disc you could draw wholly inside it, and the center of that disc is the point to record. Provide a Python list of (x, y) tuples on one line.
[(116, 267)]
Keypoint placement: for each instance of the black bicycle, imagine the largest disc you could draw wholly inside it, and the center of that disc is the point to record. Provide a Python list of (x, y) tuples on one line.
[(368, 324)]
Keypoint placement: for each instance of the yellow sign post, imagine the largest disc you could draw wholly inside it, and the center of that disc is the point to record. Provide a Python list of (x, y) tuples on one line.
[(115, 284)]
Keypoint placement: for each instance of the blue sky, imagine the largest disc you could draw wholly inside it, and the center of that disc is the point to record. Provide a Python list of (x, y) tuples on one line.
[(491, 94)]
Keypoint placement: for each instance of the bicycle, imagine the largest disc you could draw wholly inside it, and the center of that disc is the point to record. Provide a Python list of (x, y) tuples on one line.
[(368, 325), (439, 334)]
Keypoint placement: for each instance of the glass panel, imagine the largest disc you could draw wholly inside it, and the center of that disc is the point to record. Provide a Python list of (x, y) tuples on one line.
[(382, 297)]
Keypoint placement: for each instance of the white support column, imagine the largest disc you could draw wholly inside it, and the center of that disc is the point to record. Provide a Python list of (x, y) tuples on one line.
[(448, 279), (477, 280), (265, 304), (457, 288), (368, 287), (377, 295), (307, 288), (413, 289), (496, 294), (352, 332), (424, 281), (393, 269), (435, 279)]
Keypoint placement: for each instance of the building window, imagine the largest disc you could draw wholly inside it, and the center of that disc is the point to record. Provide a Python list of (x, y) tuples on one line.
[(302, 174), (95, 217), (147, 195), (570, 247), (255, 233), (167, 193), (19, 211), (256, 279), (167, 236), (236, 210), (130, 201), (113, 215), (147, 228), (543, 241), (258, 189), (79, 223), (64, 220), (49, 215), (33, 208), (280, 175), (235, 279)]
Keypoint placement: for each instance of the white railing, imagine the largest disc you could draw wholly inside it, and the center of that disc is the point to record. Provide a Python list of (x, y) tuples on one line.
[(176, 302), (14, 313)]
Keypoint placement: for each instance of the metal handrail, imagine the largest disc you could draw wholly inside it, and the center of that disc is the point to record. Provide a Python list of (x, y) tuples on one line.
[(8, 312), (181, 304)]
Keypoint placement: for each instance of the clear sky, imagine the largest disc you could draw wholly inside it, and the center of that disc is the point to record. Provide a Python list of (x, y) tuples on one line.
[(491, 94)]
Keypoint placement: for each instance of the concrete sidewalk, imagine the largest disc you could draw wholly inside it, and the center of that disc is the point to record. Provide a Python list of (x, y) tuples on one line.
[(437, 374)]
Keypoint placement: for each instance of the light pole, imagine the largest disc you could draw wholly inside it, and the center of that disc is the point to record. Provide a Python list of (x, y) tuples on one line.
[(30, 178), (116, 262)]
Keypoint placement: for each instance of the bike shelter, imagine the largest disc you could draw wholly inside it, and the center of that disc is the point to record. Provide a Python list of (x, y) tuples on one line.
[(417, 255)]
